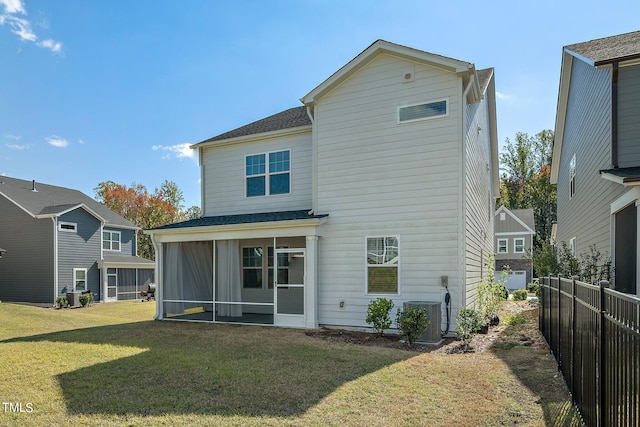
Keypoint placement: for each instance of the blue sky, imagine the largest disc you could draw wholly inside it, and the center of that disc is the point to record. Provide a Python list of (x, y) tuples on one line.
[(116, 90)]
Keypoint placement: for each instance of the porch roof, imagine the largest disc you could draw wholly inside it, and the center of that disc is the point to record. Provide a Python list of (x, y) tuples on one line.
[(250, 218), (625, 176), (125, 261)]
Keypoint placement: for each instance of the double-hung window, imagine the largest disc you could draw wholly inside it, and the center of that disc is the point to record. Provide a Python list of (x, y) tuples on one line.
[(79, 279), (518, 245), (382, 259), (268, 173), (253, 267), (503, 246), (572, 177), (111, 240)]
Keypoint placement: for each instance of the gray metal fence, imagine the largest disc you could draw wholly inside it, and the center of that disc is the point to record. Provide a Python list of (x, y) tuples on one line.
[(594, 334)]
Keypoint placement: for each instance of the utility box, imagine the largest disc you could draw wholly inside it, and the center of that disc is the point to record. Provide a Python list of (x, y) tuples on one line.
[(433, 334), (73, 298)]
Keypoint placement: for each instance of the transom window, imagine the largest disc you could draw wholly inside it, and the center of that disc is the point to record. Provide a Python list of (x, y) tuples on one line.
[(425, 111), (70, 227), (518, 245), (382, 260), (503, 246), (111, 240), (268, 173)]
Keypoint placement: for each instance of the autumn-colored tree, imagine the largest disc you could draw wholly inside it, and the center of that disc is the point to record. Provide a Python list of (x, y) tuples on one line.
[(144, 209)]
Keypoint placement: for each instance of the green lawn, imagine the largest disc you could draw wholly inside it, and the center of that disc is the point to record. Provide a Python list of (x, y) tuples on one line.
[(110, 365)]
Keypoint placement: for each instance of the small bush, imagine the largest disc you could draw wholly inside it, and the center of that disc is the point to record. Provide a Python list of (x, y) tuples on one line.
[(86, 299), (469, 322), (520, 295), (502, 291), (517, 319), (533, 287), (61, 302), (412, 322), (378, 314)]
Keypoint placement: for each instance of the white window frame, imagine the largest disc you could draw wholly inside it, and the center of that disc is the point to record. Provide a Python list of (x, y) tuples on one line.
[(515, 245), (75, 279), (433, 101), (111, 241), (267, 173), (572, 246), (506, 246), (265, 267), (367, 265), (71, 227), (572, 177)]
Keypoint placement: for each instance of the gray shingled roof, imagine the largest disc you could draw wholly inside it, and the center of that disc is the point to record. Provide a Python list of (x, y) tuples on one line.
[(291, 118), (483, 78), (209, 221), (627, 174), (52, 200), (526, 216), (126, 259), (609, 49)]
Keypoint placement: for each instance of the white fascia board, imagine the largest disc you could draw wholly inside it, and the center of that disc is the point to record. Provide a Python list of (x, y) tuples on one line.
[(254, 137), (515, 233), (619, 180), (561, 114), (493, 136), (378, 47), (73, 208), (305, 227)]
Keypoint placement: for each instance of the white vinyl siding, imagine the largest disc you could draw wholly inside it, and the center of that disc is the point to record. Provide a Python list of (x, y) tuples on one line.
[(376, 178), (224, 177)]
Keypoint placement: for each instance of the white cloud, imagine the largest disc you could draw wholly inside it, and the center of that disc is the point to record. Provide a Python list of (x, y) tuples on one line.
[(56, 141), (503, 96), (13, 6), (179, 150), (17, 147), (11, 136), (80, 142), (22, 27)]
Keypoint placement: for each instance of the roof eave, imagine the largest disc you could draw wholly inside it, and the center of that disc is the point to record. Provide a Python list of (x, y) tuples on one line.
[(295, 223), (563, 96), (627, 182), (253, 137)]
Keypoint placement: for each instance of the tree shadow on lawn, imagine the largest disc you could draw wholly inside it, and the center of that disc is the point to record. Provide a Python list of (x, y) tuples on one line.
[(199, 368), (522, 347)]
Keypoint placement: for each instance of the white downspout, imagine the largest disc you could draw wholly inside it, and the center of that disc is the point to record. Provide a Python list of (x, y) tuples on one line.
[(158, 278), (55, 258)]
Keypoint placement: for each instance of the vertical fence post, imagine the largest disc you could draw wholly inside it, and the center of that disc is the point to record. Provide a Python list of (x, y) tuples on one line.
[(573, 335), (602, 365)]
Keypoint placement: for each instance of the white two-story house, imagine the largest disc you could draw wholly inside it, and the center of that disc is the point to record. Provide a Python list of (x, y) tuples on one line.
[(381, 184)]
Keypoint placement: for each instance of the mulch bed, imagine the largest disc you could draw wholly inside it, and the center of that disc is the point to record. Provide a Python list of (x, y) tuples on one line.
[(528, 335)]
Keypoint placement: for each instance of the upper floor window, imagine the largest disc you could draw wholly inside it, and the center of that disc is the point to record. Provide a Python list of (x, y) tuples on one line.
[(70, 227), (268, 173), (503, 246), (572, 176), (572, 246), (383, 255), (428, 110), (111, 240), (518, 245)]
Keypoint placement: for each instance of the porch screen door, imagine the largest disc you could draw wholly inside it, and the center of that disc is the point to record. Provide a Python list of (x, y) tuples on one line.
[(289, 287)]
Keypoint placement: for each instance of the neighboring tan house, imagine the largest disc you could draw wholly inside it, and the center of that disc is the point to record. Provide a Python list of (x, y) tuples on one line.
[(514, 242), (596, 154), (381, 185), (63, 241)]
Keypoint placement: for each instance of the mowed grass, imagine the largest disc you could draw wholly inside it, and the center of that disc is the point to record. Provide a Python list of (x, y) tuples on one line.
[(111, 365)]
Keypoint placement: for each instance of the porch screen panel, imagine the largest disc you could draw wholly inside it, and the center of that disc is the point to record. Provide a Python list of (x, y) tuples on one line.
[(188, 272), (127, 284), (145, 278), (228, 283)]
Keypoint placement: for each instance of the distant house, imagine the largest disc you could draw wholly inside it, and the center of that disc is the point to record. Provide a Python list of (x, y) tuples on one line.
[(596, 154), (514, 241), (381, 184), (60, 241)]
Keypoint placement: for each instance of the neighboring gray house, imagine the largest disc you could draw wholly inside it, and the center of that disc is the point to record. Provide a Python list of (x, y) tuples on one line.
[(61, 240), (514, 242), (596, 154), (382, 184)]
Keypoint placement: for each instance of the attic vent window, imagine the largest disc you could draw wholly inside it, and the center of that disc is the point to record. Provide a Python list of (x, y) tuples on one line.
[(68, 226), (430, 110)]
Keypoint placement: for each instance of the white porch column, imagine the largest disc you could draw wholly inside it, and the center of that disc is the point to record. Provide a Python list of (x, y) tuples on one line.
[(311, 281), (637, 247)]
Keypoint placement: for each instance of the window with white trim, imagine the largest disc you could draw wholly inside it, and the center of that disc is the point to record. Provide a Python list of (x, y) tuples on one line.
[(429, 110), (572, 246), (268, 173), (518, 245), (503, 246), (79, 279), (111, 240), (254, 267), (382, 260), (572, 177), (70, 227)]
